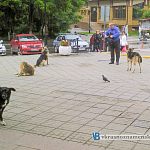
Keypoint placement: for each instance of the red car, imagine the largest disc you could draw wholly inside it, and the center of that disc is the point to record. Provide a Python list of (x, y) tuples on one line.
[(26, 44)]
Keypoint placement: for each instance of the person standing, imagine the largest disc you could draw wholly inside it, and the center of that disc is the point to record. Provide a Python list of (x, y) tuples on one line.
[(113, 34), (98, 41), (126, 30), (123, 42)]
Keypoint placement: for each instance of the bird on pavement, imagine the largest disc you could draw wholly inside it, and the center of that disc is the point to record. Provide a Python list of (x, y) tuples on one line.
[(105, 79)]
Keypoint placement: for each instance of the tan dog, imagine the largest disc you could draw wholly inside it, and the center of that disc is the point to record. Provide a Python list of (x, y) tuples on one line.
[(26, 69), (133, 58)]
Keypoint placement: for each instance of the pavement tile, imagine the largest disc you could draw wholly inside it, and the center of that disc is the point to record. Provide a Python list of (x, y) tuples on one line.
[(105, 118), (141, 123), (118, 127), (25, 127), (88, 115), (145, 116), (60, 133), (122, 145), (124, 121), (141, 146), (80, 120), (52, 123), (70, 126), (136, 130), (129, 115), (42, 130), (101, 143), (112, 113), (98, 123), (62, 117), (25, 148), (79, 137), (88, 129)]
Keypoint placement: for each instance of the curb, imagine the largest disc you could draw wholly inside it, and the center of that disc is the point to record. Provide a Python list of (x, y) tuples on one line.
[(142, 56), (146, 56)]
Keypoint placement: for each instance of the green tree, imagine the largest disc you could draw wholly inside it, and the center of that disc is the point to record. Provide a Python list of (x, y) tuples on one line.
[(29, 15), (146, 14)]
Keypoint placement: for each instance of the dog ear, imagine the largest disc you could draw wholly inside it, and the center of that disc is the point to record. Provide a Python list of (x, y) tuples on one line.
[(12, 89)]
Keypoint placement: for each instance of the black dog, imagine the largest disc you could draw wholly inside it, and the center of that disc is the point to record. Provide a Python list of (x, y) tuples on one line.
[(4, 100), (43, 58)]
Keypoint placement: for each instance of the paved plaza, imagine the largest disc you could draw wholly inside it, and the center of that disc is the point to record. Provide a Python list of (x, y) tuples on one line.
[(65, 102)]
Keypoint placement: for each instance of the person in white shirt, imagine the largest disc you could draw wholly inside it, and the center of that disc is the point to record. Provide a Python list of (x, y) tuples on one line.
[(126, 30), (123, 42)]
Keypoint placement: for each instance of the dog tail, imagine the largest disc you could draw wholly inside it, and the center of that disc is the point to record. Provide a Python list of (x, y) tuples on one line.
[(12, 89), (140, 59)]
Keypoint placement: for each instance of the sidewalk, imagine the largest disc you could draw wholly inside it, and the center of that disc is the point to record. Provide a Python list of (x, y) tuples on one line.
[(65, 102)]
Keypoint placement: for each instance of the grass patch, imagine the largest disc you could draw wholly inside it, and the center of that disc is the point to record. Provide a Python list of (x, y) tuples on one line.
[(133, 33), (86, 33)]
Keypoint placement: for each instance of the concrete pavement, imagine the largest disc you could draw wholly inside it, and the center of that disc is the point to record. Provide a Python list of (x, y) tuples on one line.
[(65, 102)]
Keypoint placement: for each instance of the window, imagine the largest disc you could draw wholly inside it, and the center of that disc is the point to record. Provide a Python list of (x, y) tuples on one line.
[(137, 10), (83, 12), (105, 11), (119, 12)]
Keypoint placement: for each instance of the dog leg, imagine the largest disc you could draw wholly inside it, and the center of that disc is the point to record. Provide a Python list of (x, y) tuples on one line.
[(140, 68), (47, 60), (2, 122), (130, 66), (134, 68)]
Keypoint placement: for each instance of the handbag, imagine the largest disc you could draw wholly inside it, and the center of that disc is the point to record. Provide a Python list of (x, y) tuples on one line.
[(124, 49)]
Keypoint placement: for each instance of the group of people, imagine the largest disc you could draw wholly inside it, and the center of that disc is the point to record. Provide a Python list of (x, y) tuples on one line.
[(115, 42)]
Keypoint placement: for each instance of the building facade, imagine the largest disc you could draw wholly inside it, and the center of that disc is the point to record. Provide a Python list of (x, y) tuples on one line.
[(98, 13)]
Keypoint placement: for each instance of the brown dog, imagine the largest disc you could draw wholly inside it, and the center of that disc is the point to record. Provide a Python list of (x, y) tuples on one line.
[(133, 58), (43, 58), (26, 69)]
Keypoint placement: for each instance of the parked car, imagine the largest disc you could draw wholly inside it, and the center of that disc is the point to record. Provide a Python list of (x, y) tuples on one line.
[(26, 44), (76, 42), (2, 48)]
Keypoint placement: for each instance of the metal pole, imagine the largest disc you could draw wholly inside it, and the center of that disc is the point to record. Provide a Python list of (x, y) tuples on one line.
[(77, 45), (89, 21), (104, 18)]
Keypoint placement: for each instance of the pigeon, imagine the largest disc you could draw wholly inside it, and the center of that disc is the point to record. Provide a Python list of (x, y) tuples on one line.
[(105, 79)]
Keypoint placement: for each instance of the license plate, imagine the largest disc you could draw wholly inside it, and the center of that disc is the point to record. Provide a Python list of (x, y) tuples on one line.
[(33, 50)]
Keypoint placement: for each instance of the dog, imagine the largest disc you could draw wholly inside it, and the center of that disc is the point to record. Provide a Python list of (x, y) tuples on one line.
[(133, 58), (43, 58), (26, 69), (5, 94)]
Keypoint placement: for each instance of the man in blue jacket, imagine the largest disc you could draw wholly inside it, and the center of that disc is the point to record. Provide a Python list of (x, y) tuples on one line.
[(113, 34)]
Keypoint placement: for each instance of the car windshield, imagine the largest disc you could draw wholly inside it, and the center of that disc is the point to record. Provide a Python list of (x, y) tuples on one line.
[(28, 38), (73, 37)]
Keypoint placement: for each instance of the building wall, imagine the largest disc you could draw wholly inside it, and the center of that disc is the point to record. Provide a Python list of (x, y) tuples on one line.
[(107, 11)]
